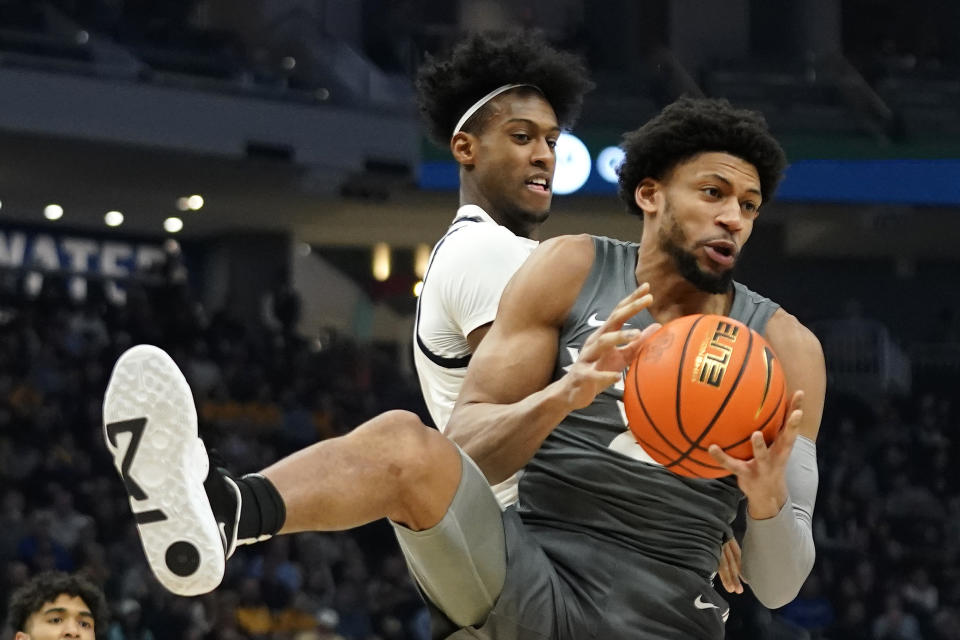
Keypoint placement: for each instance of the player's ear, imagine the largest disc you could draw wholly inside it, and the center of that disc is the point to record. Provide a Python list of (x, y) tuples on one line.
[(463, 148), (20, 635), (647, 195)]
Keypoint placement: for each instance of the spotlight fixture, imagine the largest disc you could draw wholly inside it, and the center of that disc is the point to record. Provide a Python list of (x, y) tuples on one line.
[(113, 218), (172, 224)]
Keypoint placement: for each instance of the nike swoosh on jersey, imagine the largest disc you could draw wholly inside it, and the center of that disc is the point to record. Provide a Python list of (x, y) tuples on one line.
[(700, 604), (594, 321)]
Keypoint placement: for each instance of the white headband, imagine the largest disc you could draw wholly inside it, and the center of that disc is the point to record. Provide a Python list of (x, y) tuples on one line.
[(484, 100)]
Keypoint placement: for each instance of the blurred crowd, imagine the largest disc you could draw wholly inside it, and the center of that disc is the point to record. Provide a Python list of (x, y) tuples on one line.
[(261, 392), (887, 528), (887, 523)]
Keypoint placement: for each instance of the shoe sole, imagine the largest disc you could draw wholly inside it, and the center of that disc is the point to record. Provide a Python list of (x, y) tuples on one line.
[(150, 428)]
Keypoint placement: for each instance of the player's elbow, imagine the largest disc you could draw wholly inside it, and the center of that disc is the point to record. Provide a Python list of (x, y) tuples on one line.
[(783, 588), (472, 441), (775, 600), (482, 454), (457, 427), (463, 439)]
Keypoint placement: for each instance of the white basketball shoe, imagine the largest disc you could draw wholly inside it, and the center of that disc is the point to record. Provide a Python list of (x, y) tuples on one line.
[(186, 512)]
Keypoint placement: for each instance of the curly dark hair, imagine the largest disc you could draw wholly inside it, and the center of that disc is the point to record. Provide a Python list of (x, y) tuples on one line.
[(447, 87), (47, 587), (691, 126)]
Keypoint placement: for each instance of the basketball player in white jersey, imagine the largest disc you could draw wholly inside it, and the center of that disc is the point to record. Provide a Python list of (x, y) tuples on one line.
[(504, 198)]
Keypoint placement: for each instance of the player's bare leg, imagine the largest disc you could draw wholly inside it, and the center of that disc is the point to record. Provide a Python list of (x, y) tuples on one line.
[(392, 466), (191, 517)]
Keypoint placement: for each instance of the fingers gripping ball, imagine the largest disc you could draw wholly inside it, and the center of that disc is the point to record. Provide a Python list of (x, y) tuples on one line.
[(702, 380)]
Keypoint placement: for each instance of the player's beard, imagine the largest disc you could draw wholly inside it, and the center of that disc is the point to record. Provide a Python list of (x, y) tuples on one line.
[(672, 240), (519, 220)]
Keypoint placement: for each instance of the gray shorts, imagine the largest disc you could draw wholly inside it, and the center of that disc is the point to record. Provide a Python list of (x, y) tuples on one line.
[(486, 574)]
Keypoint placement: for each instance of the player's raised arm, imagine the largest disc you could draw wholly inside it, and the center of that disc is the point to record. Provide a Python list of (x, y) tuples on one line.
[(508, 405), (780, 482)]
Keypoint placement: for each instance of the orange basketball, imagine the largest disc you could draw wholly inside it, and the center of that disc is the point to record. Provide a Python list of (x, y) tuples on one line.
[(702, 380)]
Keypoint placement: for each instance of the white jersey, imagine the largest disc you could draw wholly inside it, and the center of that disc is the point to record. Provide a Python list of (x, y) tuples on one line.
[(469, 268)]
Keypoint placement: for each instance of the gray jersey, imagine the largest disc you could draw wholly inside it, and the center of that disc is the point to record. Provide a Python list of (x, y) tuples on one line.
[(591, 477)]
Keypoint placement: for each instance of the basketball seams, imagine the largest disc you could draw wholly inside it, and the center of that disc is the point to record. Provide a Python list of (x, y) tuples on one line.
[(643, 407), (649, 448), (695, 445), (680, 376), (679, 461), (776, 410)]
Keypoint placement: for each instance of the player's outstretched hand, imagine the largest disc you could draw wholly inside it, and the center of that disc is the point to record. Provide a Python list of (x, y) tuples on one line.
[(763, 478), (609, 350), (730, 565)]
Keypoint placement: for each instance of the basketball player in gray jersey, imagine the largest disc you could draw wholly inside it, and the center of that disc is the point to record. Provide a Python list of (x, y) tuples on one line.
[(606, 543)]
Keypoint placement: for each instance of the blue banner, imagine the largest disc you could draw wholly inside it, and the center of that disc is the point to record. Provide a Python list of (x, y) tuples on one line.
[(913, 181)]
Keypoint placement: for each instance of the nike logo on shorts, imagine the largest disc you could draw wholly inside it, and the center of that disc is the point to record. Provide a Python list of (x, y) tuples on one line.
[(700, 604)]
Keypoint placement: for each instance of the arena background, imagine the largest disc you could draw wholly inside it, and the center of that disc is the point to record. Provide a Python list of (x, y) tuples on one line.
[(293, 120)]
